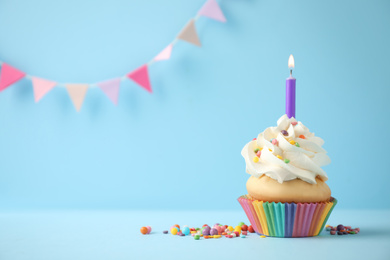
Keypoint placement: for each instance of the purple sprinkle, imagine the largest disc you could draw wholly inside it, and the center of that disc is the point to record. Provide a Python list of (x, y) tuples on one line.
[(165, 231), (339, 233), (340, 227), (284, 132), (213, 232)]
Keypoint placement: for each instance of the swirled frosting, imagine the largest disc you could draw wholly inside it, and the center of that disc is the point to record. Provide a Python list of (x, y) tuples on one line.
[(286, 152)]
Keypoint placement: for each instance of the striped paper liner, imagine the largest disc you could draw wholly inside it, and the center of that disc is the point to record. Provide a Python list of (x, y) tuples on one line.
[(287, 219)]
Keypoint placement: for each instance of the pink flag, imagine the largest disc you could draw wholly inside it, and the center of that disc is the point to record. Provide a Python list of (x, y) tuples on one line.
[(111, 89), (77, 94), (141, 77), (212, 10), (189, 34), (41, 87), (164, 54), (9, 75)]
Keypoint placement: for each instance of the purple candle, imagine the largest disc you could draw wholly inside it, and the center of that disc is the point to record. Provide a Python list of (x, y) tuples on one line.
[(290, 90)]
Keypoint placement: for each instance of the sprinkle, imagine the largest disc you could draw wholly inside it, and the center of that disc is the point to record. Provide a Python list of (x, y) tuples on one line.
[(294, 123), (286, 160), (263, 236), (258, 154), (302, 137), (297, 145), (144, 230), (280, 157), (165, 231), (269, 149), (242, 236), (292, 142), (333, 232), (196, 237), (256, 150), (274, 142), (254, 139), (256, 159), (284, 132)]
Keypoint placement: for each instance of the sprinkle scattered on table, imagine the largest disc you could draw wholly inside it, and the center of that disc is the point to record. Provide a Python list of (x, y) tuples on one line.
[(341, 230)]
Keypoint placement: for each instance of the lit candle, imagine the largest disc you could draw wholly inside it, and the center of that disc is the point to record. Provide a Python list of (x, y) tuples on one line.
[(290, 90)]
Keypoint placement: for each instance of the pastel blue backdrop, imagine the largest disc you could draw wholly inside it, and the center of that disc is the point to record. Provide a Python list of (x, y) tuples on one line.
[(179, 148)]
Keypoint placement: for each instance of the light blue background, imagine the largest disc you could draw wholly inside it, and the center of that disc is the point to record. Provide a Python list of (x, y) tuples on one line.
[(179, 148)]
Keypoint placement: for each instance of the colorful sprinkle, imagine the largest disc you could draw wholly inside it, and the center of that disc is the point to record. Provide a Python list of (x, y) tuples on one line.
[(294, 123), (144, 230), (165, 232), (280, 157), (196, 237), (174, 231), (258, 154), (263, 236), (274, 142), (256, 159), (254, 139), (250, 229), (297, 145), (149, 229), (286, 160), (242, 236), (284, 132), (292, 142), (302, 137), (256, 150), (244, 227)]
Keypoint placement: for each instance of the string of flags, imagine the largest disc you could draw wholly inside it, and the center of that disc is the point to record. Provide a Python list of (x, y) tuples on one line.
[(77, 92)]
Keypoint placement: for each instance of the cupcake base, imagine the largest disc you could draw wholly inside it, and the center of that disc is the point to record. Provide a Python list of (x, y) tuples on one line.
[(287, 219)]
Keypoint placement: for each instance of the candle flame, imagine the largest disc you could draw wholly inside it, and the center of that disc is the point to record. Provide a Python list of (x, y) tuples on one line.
[(291, 62)]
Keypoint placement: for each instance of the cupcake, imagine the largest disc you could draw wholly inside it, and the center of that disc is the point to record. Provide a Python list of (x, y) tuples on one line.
[(287, 191)]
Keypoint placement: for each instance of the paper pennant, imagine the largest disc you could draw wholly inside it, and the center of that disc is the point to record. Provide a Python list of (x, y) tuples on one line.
[(41, 87), (212, 10), (164, 54), (189, 34), (77, 94), (141, 77), (111, 89), (9, 75)]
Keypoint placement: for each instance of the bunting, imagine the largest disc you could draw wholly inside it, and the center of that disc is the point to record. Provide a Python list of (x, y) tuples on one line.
[(77, 92), (164, 54), (41, 87), (141, 77), (9, 75), (212, 10), (111, 89), (189, 34)]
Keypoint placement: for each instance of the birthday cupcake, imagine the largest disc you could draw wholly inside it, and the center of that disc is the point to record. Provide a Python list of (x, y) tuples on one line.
[(287, 193)]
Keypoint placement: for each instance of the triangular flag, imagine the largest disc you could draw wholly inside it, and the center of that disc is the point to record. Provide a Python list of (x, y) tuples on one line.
[(9, 75), (189, 34), (212, 10), (164, 54), (77, 93), (111, 89), (141, 77), (41, 87)]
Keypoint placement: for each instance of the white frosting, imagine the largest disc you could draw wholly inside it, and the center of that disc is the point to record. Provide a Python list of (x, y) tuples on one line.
[(305, 160)]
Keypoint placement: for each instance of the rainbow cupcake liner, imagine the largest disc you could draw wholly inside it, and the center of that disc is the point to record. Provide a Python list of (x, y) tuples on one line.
[(287, 219)]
